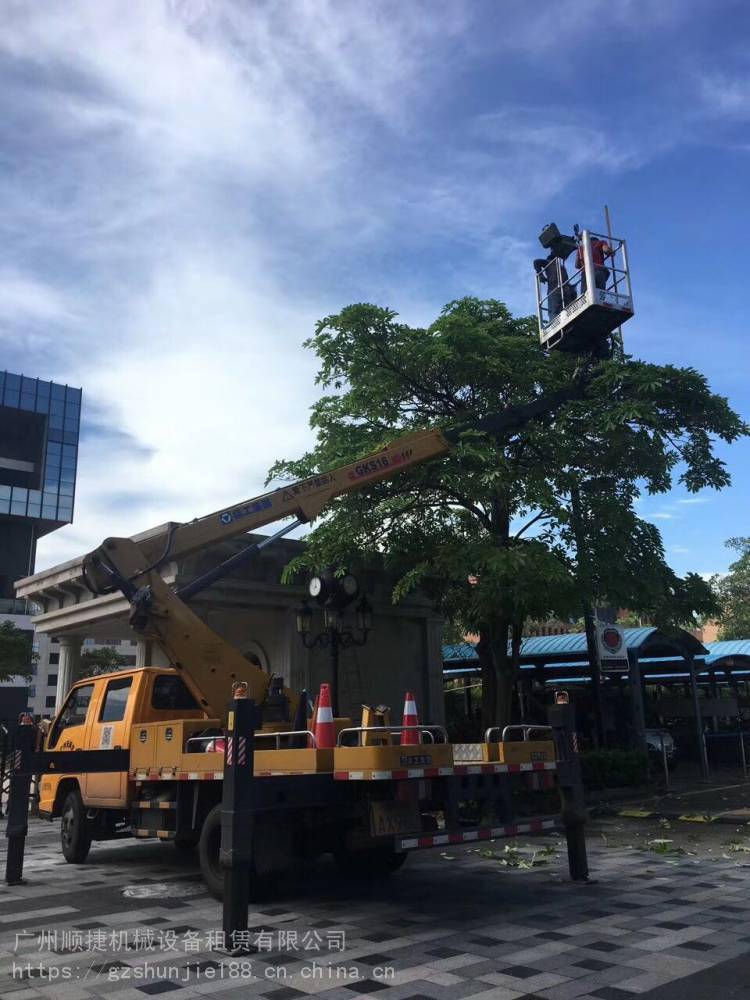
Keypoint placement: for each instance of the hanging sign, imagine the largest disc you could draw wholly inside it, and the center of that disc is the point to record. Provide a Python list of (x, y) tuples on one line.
[(613, 653)]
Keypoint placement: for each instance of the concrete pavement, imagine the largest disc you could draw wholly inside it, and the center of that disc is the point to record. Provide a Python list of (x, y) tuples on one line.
[(135, 922)]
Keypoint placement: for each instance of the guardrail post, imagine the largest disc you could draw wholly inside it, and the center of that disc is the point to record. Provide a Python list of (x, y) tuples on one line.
[(18, 805), (664, 762), (561, 718), (237, 815), (4, 744)]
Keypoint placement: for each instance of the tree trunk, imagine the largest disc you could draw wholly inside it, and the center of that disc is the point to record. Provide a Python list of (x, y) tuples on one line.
[(487, 665), (584, 583), (592, 647), (504, 703), (498, 674)]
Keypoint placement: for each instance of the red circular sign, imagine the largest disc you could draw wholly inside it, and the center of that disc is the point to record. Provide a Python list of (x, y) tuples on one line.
[(612, 639)]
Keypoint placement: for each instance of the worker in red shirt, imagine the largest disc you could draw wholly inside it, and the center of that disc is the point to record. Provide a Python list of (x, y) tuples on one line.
[(600, 250)]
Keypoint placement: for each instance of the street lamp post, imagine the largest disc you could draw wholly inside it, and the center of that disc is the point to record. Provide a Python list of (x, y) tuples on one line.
[(334, 594)]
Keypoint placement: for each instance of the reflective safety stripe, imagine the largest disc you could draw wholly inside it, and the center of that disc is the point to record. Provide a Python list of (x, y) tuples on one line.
[(485, 833), (438, 772)]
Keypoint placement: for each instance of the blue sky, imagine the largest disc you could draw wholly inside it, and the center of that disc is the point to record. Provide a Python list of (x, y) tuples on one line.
[(185, 187)]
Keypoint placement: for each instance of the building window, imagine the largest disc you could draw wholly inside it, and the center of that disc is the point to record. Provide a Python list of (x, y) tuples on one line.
[(52, 680), (54, 657), (49, 701)]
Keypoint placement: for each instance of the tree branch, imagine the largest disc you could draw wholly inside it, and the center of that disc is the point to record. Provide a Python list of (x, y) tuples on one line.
[(542, 514)]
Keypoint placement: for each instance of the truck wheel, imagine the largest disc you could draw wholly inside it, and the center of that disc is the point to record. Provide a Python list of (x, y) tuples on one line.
[(208, 853), (75, 835), (209, 846), (374, 863)]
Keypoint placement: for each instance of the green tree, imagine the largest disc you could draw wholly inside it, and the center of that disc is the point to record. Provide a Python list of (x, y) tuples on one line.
[(101, 661), (16, 652), (486, 531), (733, 593)]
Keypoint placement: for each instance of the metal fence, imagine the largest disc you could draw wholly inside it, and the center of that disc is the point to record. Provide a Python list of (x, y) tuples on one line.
[(7, 751)]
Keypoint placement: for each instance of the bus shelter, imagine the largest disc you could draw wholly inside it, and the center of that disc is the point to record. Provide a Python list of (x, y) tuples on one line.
[(656, 658)]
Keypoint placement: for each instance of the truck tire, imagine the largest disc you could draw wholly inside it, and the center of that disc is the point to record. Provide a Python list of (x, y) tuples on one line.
[(75, 836), (208, 853), (376, 862), (212, 871)]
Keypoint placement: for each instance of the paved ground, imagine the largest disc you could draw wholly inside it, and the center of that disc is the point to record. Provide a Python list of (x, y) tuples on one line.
[(668, 921), (726, 801)]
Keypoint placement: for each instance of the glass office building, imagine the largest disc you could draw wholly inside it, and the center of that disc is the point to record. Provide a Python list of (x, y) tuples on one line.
[(39, 429)]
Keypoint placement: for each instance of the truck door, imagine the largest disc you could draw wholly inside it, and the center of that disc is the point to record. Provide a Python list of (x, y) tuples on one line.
[(70, 729), (110, 731)]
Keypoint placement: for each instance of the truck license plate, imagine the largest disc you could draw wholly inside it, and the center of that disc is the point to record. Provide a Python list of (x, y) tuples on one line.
[(392, 818)]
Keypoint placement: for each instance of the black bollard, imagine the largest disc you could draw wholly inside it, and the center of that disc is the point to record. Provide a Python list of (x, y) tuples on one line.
[(237, 815), (561, 718), (18, 804)]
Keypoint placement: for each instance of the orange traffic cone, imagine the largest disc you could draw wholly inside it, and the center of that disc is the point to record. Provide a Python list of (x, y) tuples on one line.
[(410, 736), (325, 730)]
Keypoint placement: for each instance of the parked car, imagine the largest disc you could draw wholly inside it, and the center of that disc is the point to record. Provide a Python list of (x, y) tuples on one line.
[(654, 746)]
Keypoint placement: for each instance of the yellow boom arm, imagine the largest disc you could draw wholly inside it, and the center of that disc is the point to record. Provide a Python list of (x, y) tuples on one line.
[(208, 663)]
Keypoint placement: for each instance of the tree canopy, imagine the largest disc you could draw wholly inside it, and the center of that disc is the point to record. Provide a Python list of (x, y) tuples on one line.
[(733, 593), (101, 661), (489, 532), (16, 651)]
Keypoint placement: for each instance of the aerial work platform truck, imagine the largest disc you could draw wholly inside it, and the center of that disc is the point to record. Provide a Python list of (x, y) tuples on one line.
[(369, 792), (214, 753)]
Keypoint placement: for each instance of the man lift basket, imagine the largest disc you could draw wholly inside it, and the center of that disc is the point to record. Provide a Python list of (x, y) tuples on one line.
[(578, 307)]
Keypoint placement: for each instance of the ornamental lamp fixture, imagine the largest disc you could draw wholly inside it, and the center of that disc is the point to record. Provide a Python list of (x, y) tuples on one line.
[(304, 618), (332, 617), (364, 615)]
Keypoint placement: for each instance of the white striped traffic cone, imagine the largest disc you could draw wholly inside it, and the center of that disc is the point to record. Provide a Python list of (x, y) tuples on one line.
[(325, 730), (410, 737)]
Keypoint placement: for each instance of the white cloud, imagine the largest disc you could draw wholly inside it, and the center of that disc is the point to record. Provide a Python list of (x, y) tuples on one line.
[(694, 500), (23, 298), (726, 95), (679, 549), (191, 184), (662, 515)]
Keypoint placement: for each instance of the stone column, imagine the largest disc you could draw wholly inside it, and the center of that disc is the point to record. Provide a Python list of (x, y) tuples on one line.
[(143, 654), (69, 666)]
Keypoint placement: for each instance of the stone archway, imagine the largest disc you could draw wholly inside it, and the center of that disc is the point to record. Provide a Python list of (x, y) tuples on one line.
[(256, 652)]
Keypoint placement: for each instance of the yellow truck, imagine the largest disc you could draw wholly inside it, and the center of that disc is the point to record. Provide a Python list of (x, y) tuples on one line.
[(369, 799)]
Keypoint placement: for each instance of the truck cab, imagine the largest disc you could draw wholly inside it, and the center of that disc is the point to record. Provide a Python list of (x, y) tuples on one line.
[(99, 714)]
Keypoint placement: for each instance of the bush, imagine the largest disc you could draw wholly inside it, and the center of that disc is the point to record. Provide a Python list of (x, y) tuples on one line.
[(614, 768)]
